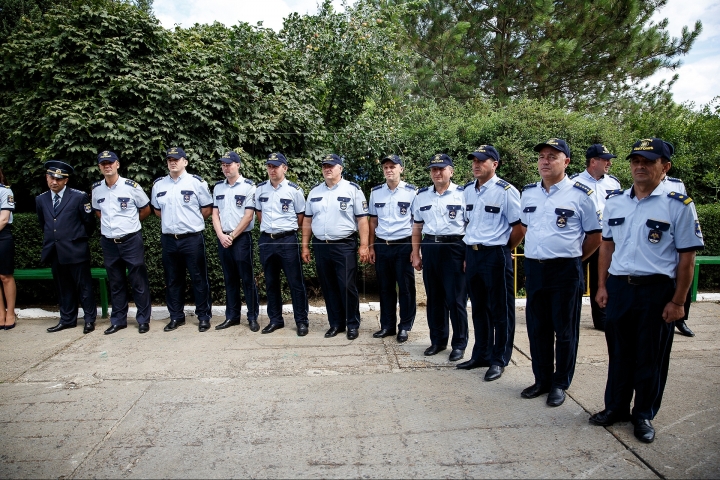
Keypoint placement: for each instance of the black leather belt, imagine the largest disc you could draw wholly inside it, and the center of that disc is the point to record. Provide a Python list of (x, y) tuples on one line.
[(644, 279), (124, 238), (443, 238), (552, 260), (342, 240), (276, 236), (179, 236), (393, 242), (480, 246), (241, 233)]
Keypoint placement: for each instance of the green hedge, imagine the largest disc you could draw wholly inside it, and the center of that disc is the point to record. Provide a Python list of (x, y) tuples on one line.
[(709, 216)]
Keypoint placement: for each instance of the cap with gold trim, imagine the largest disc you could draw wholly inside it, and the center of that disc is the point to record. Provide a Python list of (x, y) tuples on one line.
[(652, 149), (58, 169), (107, 156)]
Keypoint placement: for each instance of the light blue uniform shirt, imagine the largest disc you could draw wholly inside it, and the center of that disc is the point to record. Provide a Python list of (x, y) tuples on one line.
[(601, 188), (672, 184), (119, 206), (180, 201), (393, 209), (333, 210), (440, 214), (279, 206), (557, 222), (649, 233), (233, 200), (7, 200), (490, 212)]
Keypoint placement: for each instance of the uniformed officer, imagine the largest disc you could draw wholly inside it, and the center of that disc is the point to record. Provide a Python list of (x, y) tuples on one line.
[(8, 289), (121, 205), (183, 202), (563, 227), (492, 232), (647, 259), (391, 249), (233, 218), (598, 161), (66, 217), (335, 211), (280, 207), (439, 225)]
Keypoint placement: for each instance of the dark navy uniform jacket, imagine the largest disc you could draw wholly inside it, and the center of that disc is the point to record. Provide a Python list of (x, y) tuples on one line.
[(66, 231)]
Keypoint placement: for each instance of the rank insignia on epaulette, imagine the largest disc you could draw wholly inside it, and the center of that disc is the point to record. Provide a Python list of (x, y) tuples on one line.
[(355, 185), (132, 183), (679, 196), (614, 178), (96, 184), (198, 177), (503, 183), (410, 186), (157, 180), (377, 187), (293, 185), (673, 179), (612, 193), (460, 189), (219, 182), (249, 182), (423, 189), (471, 182), (529, 185), (583, 187), (574, 175)]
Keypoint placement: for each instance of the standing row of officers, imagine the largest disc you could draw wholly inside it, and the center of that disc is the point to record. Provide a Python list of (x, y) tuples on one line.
[(461, 237)]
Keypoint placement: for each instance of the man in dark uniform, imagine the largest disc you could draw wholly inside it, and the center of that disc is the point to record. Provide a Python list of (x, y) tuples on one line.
[(67, 221)]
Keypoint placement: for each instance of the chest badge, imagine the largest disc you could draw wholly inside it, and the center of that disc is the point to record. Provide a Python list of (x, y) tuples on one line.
[(239, 200), (186, 197), (654, 236), (123, 203), (403, 210), (561, 221), (452, 214)]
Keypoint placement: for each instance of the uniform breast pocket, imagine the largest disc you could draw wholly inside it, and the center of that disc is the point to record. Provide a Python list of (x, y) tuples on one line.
[(161, 199), (403, 208), (564, 217), (657, 230), (455, 213), (532, 216), (379, 208), (240, 201), (492, 213), (345, 204), (187, 197)]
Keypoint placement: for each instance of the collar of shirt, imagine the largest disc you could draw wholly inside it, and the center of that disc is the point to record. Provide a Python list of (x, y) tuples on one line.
[(659, 190), (59, 194), (485, 185), (239, 181), (334, 186), (561, 185), (182, 176), (585, 175), (450, 189), (400, 185), (280, 185), (120, 179)]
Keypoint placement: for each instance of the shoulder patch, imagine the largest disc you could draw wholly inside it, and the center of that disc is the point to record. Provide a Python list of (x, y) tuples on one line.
[(96, 184), (377, 187), (355, 185), (504, 184), (198, 177), (263, 183), (613, 193), (583, 187), (680, 197), (410, 186), (574, 175), (529, 185), (157, 180), (614, 178), (249, 182), (423, 189), (293, 185), (471, 182), (132, 183), (673, 179)]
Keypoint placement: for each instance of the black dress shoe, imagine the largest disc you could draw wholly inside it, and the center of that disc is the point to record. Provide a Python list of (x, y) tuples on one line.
[(272, 327), (144, 327), (254, 325), (494, 372), (644, 431), (456, 354), (114, 328), (383, 333), (59, 327), (608, 417), (683, 329), (402, 336), (204, 325), (89, 327), (472, 363), (332, 331), (534, 390), (302, 330), (434, 349), (352, 333), (556, 397), (173, 325), (227, 323)]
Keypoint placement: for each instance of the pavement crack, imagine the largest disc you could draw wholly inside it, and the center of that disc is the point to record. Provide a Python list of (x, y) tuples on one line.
[(56, 352)]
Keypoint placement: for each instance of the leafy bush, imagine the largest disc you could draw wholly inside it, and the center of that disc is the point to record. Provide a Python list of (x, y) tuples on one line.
[(709, 217)]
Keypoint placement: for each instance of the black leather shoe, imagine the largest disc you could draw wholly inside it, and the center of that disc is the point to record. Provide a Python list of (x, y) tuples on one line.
[(89, 327), (204, 325), (494, 372), (556, 397), (472, 363), (227, 323), (383, 333), (456, 354), (608, 417), (272, 327), (534, 391), (173, 325), (114, 328), (683, 329), (352, 333), (302, 330), (144, 327), (254, 325), (332, 331), (59, 327), (402, 336), (434, 349), (644, 431)]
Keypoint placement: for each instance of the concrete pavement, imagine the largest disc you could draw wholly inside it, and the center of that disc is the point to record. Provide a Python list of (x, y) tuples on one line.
[(234, 403)]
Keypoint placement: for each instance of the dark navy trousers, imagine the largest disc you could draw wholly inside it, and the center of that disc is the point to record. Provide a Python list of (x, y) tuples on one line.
[(177, 256), (598, 313), (489, 277), (237, 265), (554, 297), (639, 343), (446, 291), (130, 256), (74, 283), (393, 267), (283, 255), (336, 265)]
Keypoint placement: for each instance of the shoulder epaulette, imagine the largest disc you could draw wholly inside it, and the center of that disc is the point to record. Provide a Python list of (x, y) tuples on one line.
[(423, 189), (468, 184), (355, 185), (157, 180), (132, 183), (680, 197), (219, 182), (316, 185), (673, 179), (506, 185), (96, 184), (77, 191), (410, 186), (583, 187), (294, 185), (612, 193), (263, 183), (377, 187), (460, 189), (4, 186), (250, 182), (614, 178), (529, 185), (198, 177), (574, 175)]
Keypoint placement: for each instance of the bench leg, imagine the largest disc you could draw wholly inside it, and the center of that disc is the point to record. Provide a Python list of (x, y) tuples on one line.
[(693, 291), (103, 297)]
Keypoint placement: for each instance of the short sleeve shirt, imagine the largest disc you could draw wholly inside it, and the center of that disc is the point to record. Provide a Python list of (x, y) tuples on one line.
[(279, 206), (601, 188), (233, 200), (334, 210), (119, 206), (490, 212), (7, 201), (180, 202), (393, 209), (440, 214)]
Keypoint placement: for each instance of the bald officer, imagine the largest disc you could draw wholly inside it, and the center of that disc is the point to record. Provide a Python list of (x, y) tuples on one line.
[(335, 211), (647, 259), (121, 205), (66, 217), (563, 228), (438, 250), (233, 219), (492, 231), (183, 202)]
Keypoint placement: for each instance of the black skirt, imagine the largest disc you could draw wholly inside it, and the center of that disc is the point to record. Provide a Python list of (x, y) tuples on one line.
[(7, 251)]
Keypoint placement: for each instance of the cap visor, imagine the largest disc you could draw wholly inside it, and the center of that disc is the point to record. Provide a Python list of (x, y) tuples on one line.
[(176, 156), (607, 156), (438, 165), (479, 156), (543, 145), (277, 163), (648, 155)]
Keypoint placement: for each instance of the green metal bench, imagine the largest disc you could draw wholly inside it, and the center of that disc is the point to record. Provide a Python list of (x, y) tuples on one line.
[(46, 274), (701, 260)]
